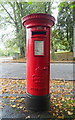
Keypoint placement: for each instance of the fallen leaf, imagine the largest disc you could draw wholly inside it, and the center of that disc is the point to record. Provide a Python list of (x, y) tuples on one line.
[(61, 117), (25, 110), (1, 107), (12, 100), (5, 97), (18, 104), (19, 100), (20, 107), (27, 117), (13, 106), (70, 113), (12, 97)]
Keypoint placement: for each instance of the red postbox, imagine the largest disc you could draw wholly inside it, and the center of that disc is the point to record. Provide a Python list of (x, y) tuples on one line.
[(38, 59)]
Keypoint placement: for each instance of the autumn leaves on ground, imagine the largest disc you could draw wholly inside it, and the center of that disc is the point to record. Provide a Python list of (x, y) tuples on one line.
[(62, 102)]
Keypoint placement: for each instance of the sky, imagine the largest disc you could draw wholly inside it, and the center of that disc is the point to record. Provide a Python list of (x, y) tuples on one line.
[(9, 35), (55, 11), (9, 29)]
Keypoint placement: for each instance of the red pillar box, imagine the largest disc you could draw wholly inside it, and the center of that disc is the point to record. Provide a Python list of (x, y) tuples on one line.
[(38, 60)]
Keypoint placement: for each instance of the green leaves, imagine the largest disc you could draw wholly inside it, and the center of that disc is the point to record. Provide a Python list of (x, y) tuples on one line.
[(72, 6), (14, 14), (65, 24), (30, 2)]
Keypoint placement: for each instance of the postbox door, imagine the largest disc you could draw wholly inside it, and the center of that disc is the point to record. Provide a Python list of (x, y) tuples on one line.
[(38, 69)]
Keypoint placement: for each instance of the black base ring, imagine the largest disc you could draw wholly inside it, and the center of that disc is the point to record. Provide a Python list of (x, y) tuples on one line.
[(38, 103)]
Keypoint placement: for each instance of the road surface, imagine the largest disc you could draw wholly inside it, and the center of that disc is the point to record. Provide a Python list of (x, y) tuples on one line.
[(63, 71)]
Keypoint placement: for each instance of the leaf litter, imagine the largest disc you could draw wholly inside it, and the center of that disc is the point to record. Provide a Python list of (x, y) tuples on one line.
[(62, 101)]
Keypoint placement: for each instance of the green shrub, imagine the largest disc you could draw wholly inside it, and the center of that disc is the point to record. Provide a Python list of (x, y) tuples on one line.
[(74, 59)]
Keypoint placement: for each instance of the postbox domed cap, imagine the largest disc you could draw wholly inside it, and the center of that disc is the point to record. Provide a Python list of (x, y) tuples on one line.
[(38, 19)]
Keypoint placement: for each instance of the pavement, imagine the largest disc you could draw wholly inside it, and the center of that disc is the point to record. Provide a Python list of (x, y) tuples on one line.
[(15, 71), (9, 111)]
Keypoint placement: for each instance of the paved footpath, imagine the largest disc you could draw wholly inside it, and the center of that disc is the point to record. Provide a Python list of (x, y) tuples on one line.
[(18, 71), (63, 71), (9, 113)]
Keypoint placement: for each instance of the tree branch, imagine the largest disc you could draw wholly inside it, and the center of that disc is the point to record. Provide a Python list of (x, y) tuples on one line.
[(9, 22), (8, 13)]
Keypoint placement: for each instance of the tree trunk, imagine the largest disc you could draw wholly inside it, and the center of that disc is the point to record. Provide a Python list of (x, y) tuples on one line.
[(22, 52), (74, 39), (74, 28)]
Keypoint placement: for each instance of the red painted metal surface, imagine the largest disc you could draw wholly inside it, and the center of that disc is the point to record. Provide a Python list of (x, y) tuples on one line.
[(38, 52)]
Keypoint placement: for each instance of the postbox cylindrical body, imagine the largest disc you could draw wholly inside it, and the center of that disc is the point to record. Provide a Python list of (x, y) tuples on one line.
[(38, 59)]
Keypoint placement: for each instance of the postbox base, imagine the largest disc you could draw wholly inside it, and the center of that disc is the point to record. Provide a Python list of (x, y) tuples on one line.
[(38, 103)]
